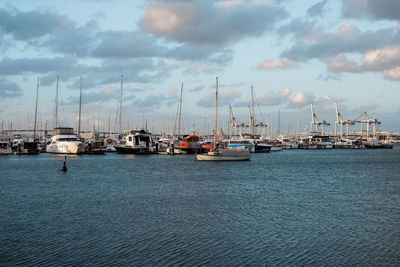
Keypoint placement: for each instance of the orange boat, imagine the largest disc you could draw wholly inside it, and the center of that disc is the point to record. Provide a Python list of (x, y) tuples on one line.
[(189, 143)]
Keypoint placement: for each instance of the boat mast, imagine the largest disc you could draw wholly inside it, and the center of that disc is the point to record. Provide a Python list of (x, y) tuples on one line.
[(253, 130), (109, 125), (216, 114), (120, 105), (37, 95), (80, 110), (56, 106), (180, 113)]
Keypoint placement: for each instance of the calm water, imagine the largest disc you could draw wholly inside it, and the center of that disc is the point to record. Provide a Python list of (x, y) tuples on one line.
[(337, 207)]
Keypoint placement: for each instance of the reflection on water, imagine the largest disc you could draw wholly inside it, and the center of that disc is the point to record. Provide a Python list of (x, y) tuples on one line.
[(290, 208)]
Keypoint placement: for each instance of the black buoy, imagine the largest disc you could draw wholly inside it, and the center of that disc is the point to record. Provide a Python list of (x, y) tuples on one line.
[(64, 168)]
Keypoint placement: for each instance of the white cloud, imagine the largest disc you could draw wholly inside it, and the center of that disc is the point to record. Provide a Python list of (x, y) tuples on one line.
[(204, 22), (276, 64), (300, 100), (342, 64), (272, 99), (392, 74), (382, 58)]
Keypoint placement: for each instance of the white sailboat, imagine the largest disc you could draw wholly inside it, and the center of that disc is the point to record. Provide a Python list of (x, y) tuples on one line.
[(231, 153)]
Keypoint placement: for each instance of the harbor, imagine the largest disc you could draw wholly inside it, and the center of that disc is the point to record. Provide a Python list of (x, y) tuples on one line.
[(296, 207), (200, 133)]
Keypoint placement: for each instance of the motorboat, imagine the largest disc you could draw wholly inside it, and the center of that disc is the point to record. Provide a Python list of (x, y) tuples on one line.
[(95, 147), (189, 144), (5, 148), (64, 141), (136, 142)]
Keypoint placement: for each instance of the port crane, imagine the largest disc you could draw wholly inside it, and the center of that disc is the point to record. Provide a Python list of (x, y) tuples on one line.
[(364, 118), (234, 124), (315, 121), (341, 121)]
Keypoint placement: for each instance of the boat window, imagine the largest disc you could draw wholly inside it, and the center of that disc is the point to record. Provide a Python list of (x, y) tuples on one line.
[(137, 140), (130, 138), (144, 138), (67, 139)]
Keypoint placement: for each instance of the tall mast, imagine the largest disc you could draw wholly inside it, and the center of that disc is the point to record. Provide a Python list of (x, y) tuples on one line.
[(279, 122), (230, 121), (56, 108), (120, 105), (180, 113), (253, 130), (37, 95), (109, 125), (216, 114), (80, 110)]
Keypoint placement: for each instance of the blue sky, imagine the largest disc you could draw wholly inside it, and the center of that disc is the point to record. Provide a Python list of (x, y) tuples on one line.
[(292, 52)]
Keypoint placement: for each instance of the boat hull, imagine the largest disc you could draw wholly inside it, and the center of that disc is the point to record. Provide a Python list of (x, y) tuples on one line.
[(204, 157), (64, 148), (132, 150), (233, 154)]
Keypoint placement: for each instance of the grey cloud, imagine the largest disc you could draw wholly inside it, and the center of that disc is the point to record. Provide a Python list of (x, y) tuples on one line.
[(31, 24), (297, 27), (328, 77), (208, 22), (149, 101), (35, 65), (317, 9), (109, 72), (196, 89), (88, 98), (374, 9), (74, 40), (9, 89), (327, 45), (118, 44)]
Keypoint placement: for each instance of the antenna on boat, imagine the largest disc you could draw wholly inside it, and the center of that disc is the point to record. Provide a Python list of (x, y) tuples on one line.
[(37, 95)]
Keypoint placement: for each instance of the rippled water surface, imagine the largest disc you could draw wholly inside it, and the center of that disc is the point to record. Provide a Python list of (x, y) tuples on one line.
[(336, 207)]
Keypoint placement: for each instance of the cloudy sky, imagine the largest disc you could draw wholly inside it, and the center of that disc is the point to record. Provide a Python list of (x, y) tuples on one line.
[(292, 52)]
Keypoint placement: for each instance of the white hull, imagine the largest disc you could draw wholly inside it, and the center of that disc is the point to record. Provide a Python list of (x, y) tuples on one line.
[(232, 154), (5, 151), (65, 148), (5, 148), (276, 149), (219, 158)]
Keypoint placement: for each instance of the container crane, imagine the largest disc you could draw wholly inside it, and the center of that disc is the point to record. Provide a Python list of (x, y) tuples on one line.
[(317, 122), (364, 118), (341, 121)]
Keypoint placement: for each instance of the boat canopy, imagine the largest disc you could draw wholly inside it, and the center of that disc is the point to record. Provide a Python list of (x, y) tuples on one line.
[(63, 131)]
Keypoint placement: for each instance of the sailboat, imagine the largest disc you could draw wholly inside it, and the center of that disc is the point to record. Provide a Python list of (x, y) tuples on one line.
[(231, 153), (24, 146)]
